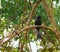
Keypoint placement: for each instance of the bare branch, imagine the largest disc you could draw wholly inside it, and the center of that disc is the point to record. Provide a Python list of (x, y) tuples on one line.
[(16, 32)]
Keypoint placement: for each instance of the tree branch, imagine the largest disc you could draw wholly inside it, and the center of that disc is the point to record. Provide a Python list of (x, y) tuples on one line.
[(16, 32), (50, 13), (32, 11)]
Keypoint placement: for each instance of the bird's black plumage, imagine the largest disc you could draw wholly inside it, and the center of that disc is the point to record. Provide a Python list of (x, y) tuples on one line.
[(38, 22)]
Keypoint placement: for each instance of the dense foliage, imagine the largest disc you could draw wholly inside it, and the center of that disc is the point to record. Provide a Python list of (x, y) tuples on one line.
[(14, 14)]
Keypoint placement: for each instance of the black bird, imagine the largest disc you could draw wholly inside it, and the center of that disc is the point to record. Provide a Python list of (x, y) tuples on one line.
[(38, 22)]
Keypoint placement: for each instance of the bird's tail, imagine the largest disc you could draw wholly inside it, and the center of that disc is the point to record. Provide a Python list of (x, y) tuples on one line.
[(39, 35)]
